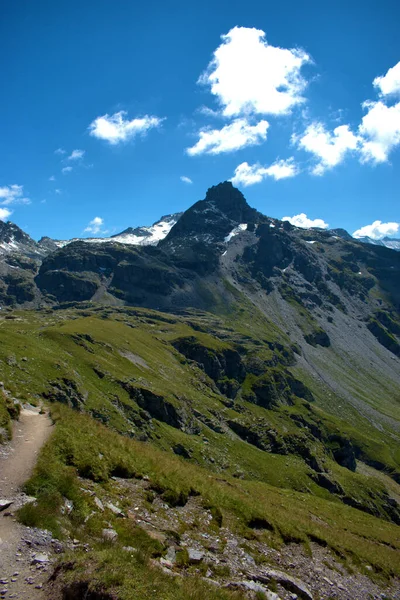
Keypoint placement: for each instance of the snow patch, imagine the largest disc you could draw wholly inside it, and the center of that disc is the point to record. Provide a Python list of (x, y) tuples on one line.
[(238, 229), (150, 236), (9, 246)]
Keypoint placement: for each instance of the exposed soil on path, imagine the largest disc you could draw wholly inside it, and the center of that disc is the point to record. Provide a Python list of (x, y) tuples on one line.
[(23, 550)]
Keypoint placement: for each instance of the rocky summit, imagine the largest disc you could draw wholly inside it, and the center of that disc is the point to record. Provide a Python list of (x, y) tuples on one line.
[(225, 389)]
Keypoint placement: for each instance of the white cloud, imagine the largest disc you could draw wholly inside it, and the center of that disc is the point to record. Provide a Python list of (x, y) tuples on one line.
[(4, 214), (60, 151), (52, 178), (13, 194), (380, 131), (209, 112), (186, 179), (282, 169), (377, 230), (330, 148), (116, 129), (66, 170), (389, 83), (95, 226), (76, 154), (234, 136), (247, 75), (246, 174), (303, 221), (58, 191)]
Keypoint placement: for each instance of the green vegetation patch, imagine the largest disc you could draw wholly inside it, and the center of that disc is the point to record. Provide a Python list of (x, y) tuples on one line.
[(81, 446)]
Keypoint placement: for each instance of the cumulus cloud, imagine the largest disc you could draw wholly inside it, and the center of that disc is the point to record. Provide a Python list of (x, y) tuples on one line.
[(246, 174), (95, 226), (238, 134), (377, 230), (303, 221), (76, 154), (60, 151), (376, 136), (247, 74), (330, 148), (116, 128), (186, 179), (66, 170), (389, 83), (58, 191), (4, 214), (13, 194), (380, 131)]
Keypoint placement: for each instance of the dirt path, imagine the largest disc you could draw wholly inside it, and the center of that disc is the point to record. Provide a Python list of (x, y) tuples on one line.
[(21, 575)]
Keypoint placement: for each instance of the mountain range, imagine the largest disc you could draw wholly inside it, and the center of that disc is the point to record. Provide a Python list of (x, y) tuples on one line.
[(228, 367)]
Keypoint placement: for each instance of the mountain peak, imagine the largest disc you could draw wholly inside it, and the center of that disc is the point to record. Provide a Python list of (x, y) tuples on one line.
[(211, 220), (227, 199), (340, 232), (14, 239)]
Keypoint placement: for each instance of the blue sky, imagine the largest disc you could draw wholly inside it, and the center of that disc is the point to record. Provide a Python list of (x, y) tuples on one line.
[(107, 105)]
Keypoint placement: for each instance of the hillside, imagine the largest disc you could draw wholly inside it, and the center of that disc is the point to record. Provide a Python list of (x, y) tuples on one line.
[(233, 392)]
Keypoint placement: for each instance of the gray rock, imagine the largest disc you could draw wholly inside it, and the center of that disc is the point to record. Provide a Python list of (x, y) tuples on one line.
[(293, 584), (165, 563), (114, 509), (129, 549), (5, 503), (27, 500), (109, 534), (251, 585), (98, 503), (273, 596), (171, 555), (68, 507), (195, 556), (40, 559)]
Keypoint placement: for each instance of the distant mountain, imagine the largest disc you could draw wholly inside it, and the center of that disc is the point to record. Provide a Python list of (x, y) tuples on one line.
[(138, 236), (392, 243), (14, 240), (387, 242)]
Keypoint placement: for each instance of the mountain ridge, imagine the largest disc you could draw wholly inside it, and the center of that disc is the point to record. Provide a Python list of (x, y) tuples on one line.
[(152, 235)]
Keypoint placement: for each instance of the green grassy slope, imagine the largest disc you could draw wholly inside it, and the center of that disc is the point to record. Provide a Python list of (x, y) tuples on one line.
[(128, 393)]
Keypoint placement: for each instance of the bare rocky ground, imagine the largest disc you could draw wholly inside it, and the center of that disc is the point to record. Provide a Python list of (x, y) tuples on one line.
[(25, 553), (228, 560), (28, 556)]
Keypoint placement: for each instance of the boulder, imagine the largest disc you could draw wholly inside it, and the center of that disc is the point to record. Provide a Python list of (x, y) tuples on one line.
[(195, 556), (40, 559), (98, 503), (114, 509), (110, 535), (293, 584)]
